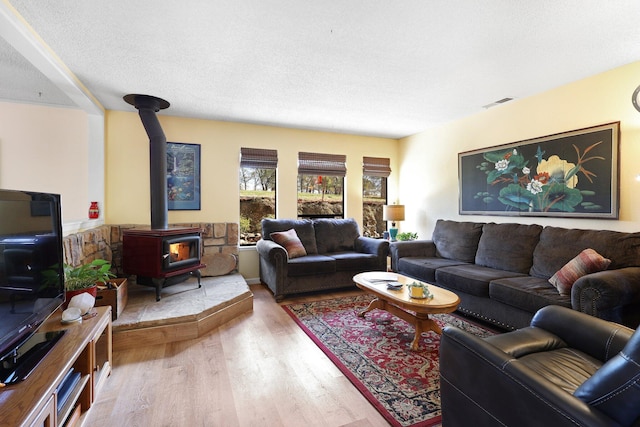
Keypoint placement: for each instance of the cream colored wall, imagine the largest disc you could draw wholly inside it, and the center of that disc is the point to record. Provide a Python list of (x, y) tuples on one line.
[(429, 172), (45, 149), (127, 168)]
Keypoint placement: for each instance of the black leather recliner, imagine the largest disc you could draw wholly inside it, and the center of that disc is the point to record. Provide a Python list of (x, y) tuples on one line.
[(566, 369)]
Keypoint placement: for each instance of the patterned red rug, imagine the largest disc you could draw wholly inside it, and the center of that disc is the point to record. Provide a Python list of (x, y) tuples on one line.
[(374, 353)]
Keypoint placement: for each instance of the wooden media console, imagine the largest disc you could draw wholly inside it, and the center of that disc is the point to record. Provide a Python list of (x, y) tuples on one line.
[(85, 348)]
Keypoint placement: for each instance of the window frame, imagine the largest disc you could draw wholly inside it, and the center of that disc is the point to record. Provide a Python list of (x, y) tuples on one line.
[(256, 159), (377, 167), (321, 165)]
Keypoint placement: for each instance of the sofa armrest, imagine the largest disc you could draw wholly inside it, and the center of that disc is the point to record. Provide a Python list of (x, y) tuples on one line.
[(273, 266), (412, 248), (272, 252), (369, 245), (378, 247), (605, 294), (597, 337), (479, 382)]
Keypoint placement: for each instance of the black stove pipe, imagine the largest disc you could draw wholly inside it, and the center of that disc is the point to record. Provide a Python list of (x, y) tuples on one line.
[(147, 106)]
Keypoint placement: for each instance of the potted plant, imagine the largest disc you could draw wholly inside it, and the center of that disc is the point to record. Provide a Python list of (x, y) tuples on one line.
[(407, 236), (419, 290), (86, 277)]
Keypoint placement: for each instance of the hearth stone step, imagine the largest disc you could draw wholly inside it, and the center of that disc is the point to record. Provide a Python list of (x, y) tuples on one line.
[(184, 312)]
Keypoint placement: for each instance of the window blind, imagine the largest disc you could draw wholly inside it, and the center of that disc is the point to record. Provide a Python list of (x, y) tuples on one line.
[(322, 164), (258, 158), (376, 166)]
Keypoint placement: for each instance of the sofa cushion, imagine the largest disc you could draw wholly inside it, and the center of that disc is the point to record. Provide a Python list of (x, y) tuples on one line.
[(508, 246), (354, 261), (310, 265), (526, 293), (586, 262), (470, 279), (335, 235), (304, 230), (290, 242), (615, 388), (456, 240), (559, 245), (423, 268)]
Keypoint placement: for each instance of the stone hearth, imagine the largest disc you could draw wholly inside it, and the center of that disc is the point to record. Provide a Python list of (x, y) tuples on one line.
[(184, 312)]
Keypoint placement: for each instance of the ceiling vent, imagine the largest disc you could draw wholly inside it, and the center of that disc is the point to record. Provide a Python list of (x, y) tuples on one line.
[(498, 102)]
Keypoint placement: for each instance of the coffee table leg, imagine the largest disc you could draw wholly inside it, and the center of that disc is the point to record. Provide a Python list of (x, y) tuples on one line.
[(423, 324), (376, 303)]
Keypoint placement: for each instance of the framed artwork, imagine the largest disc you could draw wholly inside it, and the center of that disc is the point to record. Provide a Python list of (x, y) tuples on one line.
[(183, 176), (571, 174)]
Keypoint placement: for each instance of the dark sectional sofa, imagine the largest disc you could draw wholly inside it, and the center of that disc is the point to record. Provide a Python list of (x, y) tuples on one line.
[(335, 253), (501, 271)]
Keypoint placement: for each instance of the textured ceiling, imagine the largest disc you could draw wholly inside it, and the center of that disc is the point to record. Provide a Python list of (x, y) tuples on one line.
[(366, 67), (21, 81)]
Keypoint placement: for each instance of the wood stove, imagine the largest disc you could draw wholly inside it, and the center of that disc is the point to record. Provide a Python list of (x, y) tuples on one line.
[(159, 256), (162, 257)]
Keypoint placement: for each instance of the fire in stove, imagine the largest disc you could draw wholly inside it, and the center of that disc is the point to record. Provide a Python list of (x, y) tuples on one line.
[(181, 251)]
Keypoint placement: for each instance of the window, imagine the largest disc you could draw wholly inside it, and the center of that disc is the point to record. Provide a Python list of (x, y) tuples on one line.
[(375, 172), (257, 191), (321, 185)]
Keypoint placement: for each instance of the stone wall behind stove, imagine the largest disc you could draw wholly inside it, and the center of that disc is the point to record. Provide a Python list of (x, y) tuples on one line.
[(219, 246)]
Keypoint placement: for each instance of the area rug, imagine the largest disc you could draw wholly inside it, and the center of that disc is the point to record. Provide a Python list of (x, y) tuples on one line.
[(374, 353)]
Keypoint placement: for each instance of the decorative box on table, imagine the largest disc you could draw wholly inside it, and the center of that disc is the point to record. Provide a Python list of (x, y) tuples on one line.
[(116, 296)]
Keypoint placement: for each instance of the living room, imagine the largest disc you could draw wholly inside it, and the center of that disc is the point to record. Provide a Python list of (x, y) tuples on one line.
[(106, 151)]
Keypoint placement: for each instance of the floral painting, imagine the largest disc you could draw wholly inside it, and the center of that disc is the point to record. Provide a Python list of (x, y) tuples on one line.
[(183, 176), (570, 174)]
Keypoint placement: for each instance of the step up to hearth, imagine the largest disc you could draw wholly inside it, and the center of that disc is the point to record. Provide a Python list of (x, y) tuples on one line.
[(184, 312)]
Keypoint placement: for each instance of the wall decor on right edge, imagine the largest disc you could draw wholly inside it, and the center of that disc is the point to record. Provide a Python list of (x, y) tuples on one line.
[(571, 174)]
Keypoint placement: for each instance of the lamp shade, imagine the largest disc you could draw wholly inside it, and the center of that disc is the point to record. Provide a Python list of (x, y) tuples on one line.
[(393, 213)]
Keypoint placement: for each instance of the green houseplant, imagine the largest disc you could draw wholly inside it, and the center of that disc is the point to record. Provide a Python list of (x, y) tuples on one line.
[(86, 277), (419, 290), (407, 236)]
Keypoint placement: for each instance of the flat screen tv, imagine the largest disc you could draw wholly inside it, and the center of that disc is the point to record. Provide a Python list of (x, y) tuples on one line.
[(31, 271)]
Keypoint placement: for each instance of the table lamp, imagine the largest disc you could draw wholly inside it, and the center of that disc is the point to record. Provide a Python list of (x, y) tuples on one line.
[(393, 213)]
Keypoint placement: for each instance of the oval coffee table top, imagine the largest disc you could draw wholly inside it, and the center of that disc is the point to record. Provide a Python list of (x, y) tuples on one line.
[(376, 282)]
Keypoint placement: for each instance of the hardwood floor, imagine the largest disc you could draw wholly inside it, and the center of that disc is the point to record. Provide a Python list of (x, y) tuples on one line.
[(259, 369)]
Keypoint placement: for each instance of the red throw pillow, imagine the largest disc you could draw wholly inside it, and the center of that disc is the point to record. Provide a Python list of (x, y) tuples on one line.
[(290, 241), (587, 261)]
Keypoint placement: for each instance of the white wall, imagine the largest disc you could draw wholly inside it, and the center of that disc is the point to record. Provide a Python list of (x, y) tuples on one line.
[(46, 149)]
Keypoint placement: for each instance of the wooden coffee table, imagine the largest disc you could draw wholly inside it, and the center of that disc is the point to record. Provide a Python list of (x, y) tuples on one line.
[(401, 304)]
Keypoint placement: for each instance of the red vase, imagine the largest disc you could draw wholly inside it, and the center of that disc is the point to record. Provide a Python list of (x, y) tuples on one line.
[(94, 211)]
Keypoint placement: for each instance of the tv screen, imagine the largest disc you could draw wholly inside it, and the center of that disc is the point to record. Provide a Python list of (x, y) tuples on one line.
[(31, 264)]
